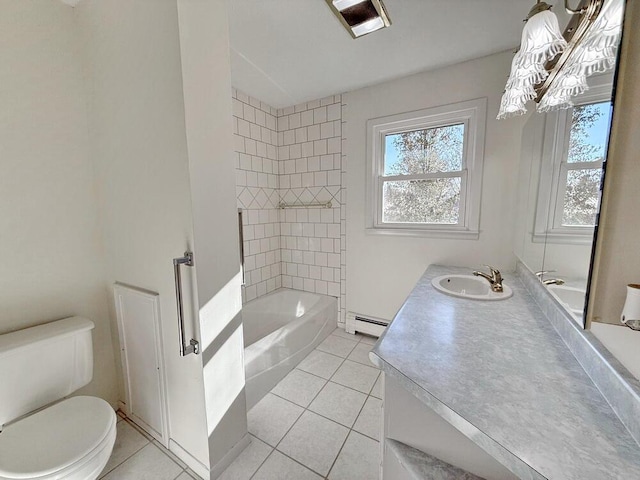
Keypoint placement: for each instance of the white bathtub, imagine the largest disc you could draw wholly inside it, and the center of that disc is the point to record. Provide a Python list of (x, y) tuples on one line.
[(280, 329)]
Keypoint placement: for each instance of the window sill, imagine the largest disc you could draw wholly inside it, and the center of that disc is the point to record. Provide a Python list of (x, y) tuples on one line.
[(567, 238), (450, 233)]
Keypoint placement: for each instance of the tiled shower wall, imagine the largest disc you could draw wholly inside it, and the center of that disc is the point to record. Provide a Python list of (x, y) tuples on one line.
[(297, 159), (256, 157), (310, 157)]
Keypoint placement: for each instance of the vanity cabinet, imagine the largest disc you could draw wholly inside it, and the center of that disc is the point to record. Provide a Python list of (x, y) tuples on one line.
[(409, 421), (497, 389)]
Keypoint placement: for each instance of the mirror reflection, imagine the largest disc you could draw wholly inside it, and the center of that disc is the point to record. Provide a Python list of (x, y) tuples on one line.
[(562, 162)]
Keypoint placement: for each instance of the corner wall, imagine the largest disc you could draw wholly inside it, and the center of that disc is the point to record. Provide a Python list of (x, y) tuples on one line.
[(293, 155), (139, 149), (311, 165), (50, 239), (256, 162)]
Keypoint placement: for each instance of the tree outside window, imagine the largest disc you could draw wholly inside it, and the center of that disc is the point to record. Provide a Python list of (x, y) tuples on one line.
[(426, 171)]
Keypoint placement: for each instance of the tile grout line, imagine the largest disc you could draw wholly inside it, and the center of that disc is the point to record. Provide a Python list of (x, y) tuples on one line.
[(305, 409), (126, 419), (326, 418), (351, 428), (149, 441)]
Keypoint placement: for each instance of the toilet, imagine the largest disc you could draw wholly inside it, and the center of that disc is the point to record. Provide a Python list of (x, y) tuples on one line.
[(43, 435)]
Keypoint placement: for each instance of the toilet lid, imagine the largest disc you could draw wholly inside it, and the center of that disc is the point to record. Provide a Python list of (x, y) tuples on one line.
[(54, 438)]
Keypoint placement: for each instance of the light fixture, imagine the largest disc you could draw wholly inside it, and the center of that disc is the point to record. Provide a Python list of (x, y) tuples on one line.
[(360, 17), (551, 67)]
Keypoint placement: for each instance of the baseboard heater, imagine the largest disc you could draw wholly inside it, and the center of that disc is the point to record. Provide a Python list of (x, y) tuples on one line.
[(368, 325)]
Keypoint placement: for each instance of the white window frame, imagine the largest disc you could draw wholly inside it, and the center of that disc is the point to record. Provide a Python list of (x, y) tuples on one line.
[(473, 115), (554, 166)]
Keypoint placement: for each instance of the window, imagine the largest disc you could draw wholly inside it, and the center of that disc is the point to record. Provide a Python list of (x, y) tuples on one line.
[(571, 173), (581, 166), (426, 171)]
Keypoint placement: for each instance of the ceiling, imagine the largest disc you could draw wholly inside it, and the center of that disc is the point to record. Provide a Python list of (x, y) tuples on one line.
[(285, 52)]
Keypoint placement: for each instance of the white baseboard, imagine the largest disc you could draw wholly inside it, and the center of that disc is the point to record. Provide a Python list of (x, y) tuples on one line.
[(193, 463), (365, 324), (231, 455)]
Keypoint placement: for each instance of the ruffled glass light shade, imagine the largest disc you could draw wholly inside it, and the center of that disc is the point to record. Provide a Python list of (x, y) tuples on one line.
[(595, 54), (541, 41), (597, 51), (558, 96)]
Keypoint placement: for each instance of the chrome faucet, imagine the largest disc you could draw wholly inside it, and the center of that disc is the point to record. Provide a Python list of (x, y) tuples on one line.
[(550, 281), (542, 273), (494, 278)]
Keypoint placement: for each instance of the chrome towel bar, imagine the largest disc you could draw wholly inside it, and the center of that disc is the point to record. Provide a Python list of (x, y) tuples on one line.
[(193, 346), (305, 205)]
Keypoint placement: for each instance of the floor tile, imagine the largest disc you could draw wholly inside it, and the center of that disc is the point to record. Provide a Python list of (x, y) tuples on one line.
[(357, 376), (338, 346), (193, 474), (377, 388), (299, 387), (314, 441), (338, 403), (270, 419), (320, 363), (279, 467), (369, 339), (369, 421), (140, 430), (358, 459), (247, 463), (170, 454), (184, 476), (128, 442), (360, 354), (148, 464), (341, 333)]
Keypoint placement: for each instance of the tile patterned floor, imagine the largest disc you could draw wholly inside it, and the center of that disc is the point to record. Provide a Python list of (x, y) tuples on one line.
[(322, 421), (137, 456)]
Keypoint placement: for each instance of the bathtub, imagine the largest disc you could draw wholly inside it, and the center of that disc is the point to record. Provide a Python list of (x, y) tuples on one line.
[(280, 329)]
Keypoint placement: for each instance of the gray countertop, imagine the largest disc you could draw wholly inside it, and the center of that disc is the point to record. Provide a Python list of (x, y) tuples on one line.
[(500, 373)]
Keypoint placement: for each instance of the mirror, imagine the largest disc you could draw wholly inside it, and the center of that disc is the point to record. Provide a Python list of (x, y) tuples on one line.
[(561, 169)]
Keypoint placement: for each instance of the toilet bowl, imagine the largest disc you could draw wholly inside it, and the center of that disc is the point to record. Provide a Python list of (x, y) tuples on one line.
[(70, 438)]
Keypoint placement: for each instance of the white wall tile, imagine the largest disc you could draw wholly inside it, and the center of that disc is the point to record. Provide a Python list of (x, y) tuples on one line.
[(291, 154)]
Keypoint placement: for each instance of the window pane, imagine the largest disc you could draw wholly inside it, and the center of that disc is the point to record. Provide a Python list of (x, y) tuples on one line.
[(434, 201), (589, 130), (424, 151), (581, 197)]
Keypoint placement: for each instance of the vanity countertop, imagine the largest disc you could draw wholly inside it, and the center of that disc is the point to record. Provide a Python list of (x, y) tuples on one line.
[(499, 373)]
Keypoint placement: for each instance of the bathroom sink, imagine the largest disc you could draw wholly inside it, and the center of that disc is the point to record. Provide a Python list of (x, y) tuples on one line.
[(570, 298), (468, 286)]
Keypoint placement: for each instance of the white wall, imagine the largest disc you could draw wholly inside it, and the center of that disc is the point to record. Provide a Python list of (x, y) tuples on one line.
[(50, 245), (382, 270), (139, 147), (204, 45)]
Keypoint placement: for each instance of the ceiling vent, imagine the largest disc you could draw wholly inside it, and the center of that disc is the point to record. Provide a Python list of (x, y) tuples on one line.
[(360, 17)]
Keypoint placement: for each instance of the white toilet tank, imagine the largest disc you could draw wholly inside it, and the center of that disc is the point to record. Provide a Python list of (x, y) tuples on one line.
[(42, 364)]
